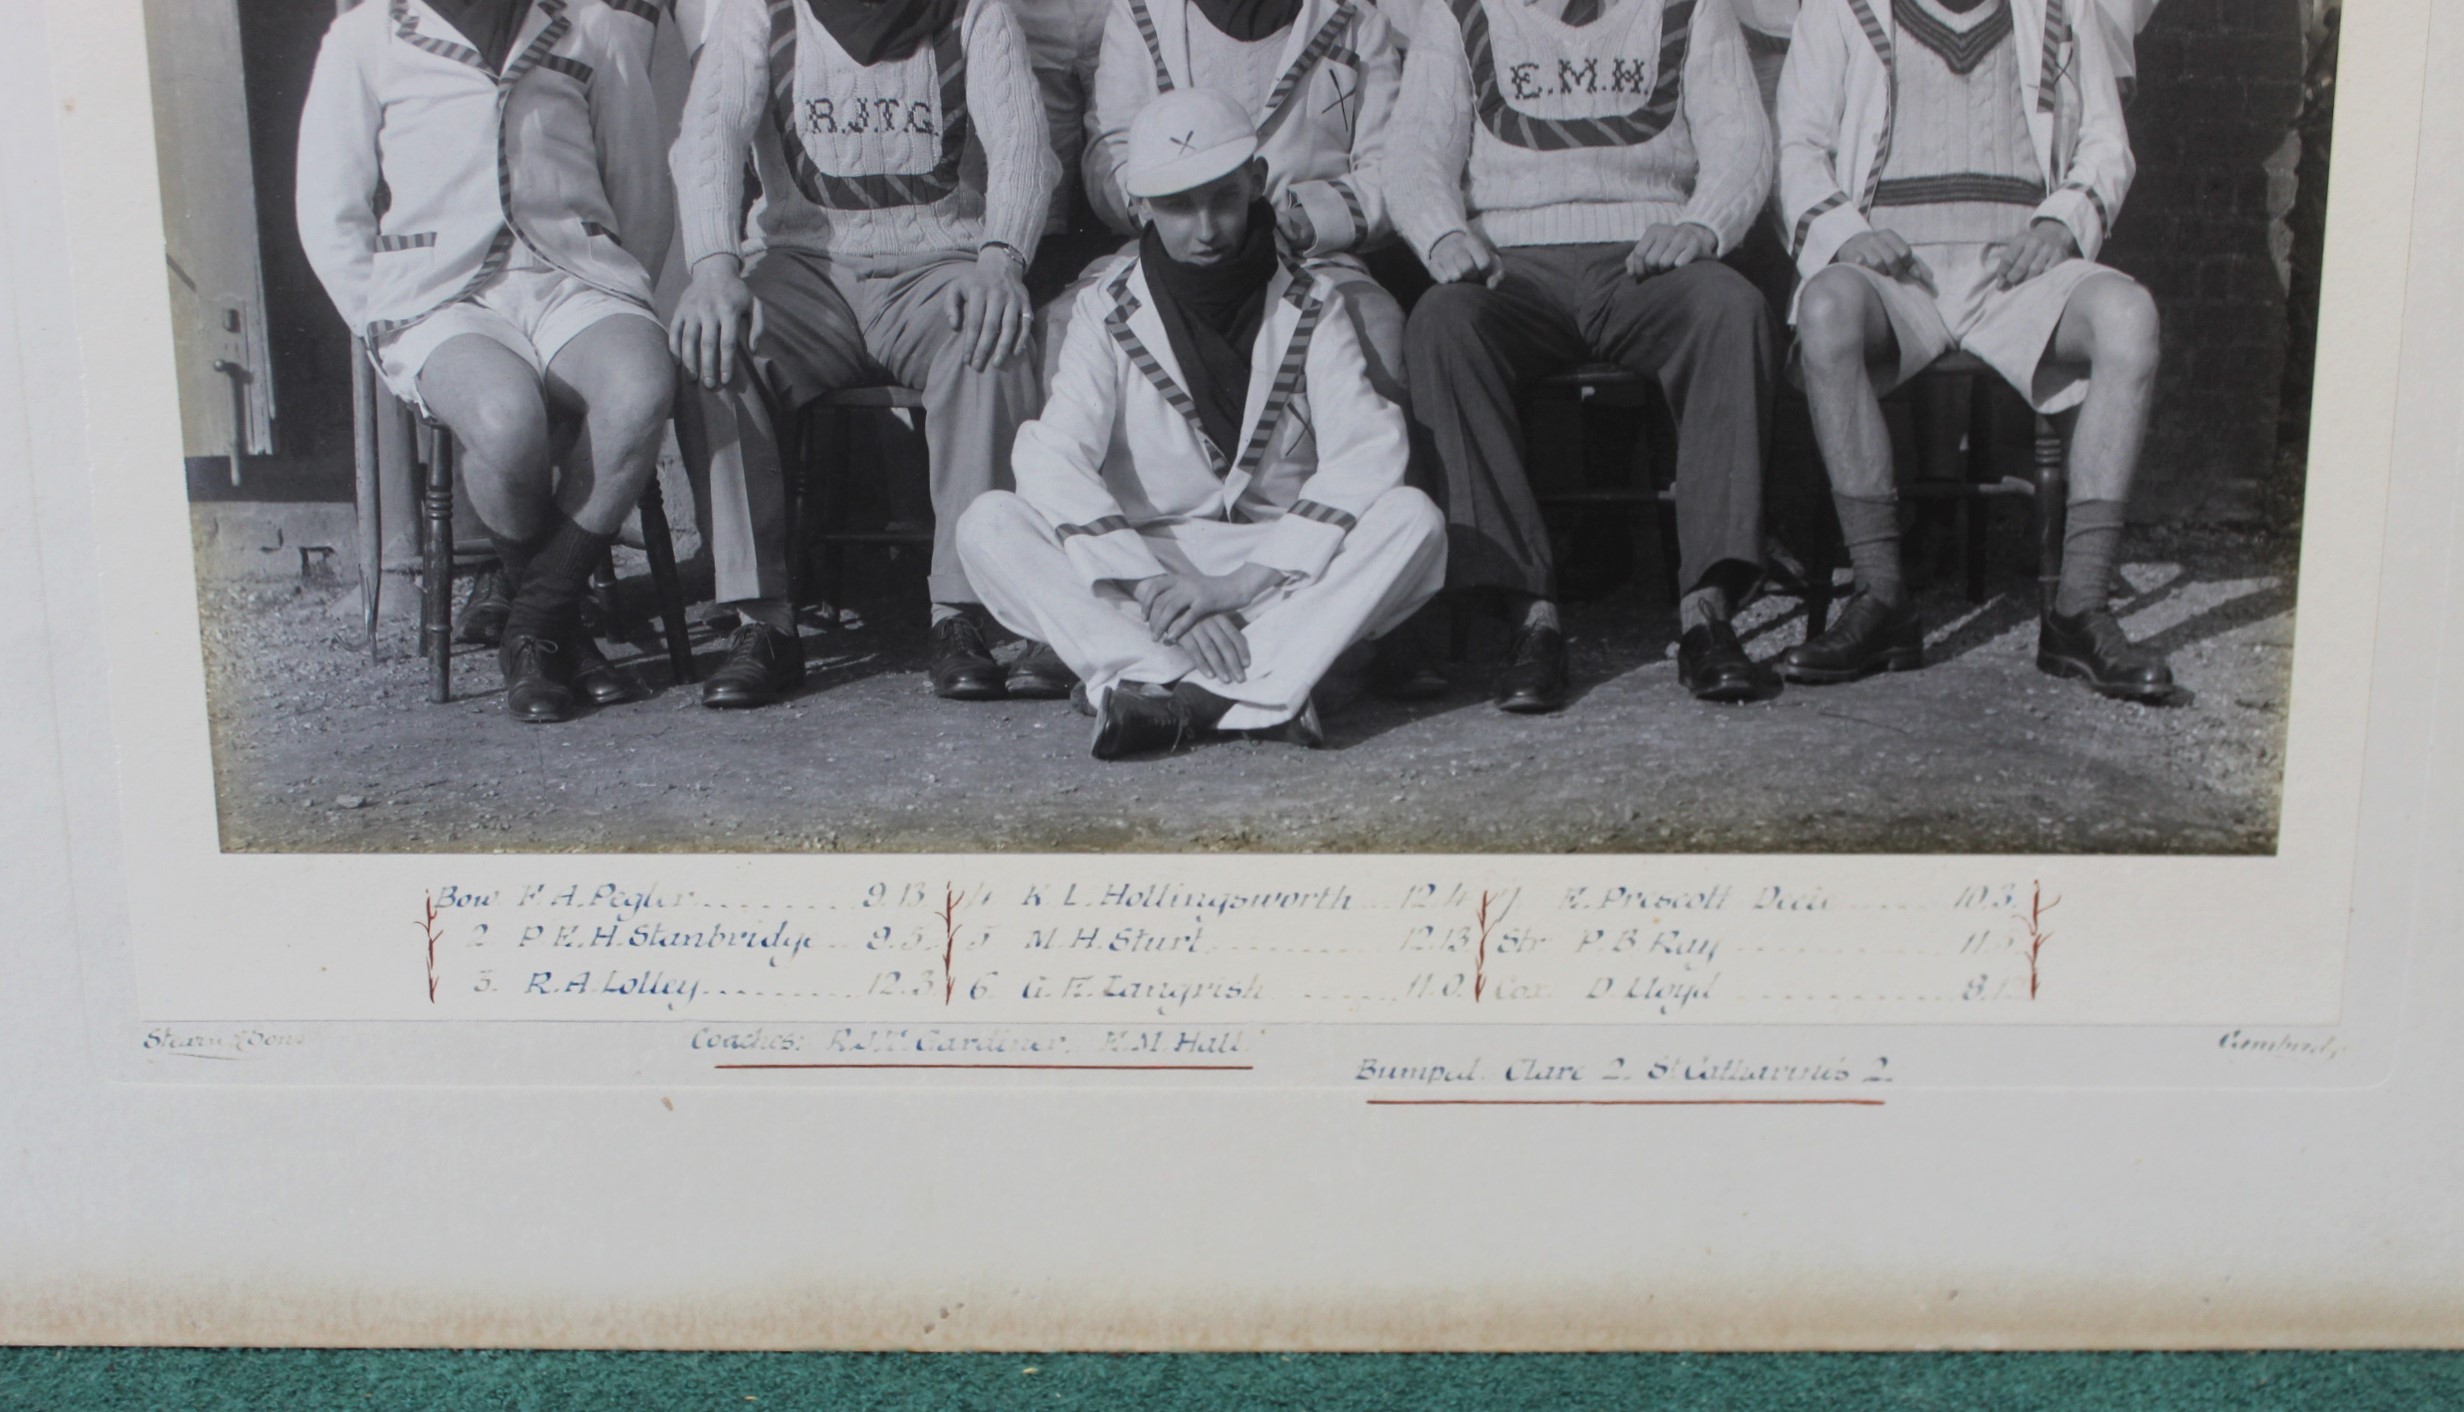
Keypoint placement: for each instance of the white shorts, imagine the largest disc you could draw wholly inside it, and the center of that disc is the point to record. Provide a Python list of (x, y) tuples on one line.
[(2008, 330), (534, 312)]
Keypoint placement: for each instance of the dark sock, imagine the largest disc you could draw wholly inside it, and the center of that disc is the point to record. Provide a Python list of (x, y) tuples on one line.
[(513, 558), (1205, 708), (2091, 542), (547, 602), (776, 614), (1869, 526)]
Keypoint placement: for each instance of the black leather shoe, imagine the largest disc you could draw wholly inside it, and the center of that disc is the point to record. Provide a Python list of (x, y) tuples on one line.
[(595, 678), (2093, 648), (1039, 674), (763, 664), (1870, 636), (482, 621), (533, 691), (1304, 729), (962, 666), (1712, 664), (1535, 677), (1402, 671), (1138, 719)]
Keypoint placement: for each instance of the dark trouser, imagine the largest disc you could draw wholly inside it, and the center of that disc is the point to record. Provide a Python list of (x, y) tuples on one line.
[(1701, 332)]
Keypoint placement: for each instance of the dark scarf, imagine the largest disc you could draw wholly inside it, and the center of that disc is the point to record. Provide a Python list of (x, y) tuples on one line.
[(1211, 315), (883, 31), (490, 25), (1249, 20)]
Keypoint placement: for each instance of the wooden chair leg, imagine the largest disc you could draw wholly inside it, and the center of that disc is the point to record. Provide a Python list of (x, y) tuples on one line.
[(833, 496), (1976, 509), (659, 543), (2052, 509), (368, 491), (603, 597), (436, 607)]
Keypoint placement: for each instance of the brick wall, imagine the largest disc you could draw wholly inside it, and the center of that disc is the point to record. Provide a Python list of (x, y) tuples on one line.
[(2219, 86)]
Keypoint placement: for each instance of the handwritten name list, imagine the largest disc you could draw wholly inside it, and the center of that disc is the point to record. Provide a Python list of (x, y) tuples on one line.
[(1125, 949)]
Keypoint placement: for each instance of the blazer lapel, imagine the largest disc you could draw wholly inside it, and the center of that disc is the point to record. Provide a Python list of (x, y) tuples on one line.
[(1275, 362), (1139, 331)]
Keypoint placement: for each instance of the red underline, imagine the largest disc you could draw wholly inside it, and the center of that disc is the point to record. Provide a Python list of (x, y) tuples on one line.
[(1625, 1102), (1089, 1068)]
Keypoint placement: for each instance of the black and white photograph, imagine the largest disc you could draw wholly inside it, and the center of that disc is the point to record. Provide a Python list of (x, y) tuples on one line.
[(1278, 426)]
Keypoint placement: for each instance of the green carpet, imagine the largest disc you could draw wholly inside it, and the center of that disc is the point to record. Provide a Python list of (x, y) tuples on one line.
[(179, 1380)]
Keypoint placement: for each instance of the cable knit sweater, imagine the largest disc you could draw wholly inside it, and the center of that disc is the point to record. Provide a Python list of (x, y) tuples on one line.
[(942, 150), (1536, 132)]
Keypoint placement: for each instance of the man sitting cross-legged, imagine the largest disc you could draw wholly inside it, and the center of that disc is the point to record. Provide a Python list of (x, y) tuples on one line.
[(1211, 508), (905, 179), (501, 276), (1985, 145)]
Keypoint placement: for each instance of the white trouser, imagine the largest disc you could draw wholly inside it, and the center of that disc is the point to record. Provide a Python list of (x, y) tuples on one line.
[(1393, 561)]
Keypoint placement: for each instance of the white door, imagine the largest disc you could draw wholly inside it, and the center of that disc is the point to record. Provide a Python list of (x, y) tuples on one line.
[(210, 224)]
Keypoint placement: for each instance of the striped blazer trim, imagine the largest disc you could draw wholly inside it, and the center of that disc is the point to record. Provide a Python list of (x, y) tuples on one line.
[(638, 9), (1959, 186), (2057, 27), (1124, 306), (1109, 524), (2104, 217), (1880, 38), (1321, 45), (1290, 378), (1629, 129), (573, 69), (421, 240), (1813, 213), (1154, 46), (1353, 208), (1324, 514), (868, 191)]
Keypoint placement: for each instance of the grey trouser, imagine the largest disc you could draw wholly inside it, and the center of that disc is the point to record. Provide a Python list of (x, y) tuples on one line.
[(1701, 332), (828, 322)]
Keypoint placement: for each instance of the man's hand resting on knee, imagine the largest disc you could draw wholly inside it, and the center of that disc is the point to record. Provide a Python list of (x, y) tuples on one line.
[(2047, 244), (1191, 611), (715, 321), (989, 310), (1885, 253)]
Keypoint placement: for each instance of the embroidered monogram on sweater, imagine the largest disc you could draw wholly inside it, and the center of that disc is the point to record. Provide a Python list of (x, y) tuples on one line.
[(830, 117), (1962, 49), (1658, 80)]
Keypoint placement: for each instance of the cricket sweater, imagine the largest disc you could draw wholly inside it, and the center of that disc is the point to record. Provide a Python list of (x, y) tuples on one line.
[(1536, 132), (942, 150)]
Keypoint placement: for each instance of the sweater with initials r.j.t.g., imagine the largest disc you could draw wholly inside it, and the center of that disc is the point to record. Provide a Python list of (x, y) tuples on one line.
[(941, 150)]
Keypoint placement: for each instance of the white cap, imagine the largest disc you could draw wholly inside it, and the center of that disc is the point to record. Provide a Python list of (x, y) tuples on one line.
[(1185, 139)]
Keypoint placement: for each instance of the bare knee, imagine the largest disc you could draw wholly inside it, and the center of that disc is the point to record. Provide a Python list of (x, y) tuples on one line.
[(503, 428), (2125, 332), (1832, 314)]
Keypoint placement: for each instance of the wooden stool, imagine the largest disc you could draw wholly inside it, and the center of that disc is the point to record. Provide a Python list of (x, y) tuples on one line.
[(825, 523)]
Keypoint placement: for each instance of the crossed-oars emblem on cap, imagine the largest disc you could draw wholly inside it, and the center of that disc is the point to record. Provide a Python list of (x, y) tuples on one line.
[(1187, 142)]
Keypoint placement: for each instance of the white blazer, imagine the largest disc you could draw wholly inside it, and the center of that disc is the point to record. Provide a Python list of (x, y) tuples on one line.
[(1323, 130), (1118, 452), (1838, 104), (564, 150)]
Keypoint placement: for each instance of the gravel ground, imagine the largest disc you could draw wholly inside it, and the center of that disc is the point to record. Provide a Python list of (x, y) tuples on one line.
[(318, 750)]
